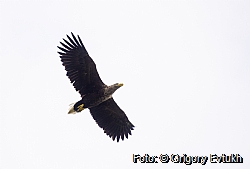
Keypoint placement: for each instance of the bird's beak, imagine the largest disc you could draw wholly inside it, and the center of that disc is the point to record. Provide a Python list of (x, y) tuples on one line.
[(120, 84)]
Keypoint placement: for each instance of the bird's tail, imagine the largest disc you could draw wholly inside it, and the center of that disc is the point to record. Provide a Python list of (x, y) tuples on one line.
[(71, 109)]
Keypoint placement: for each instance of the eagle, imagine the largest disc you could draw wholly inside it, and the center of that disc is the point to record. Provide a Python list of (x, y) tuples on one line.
[(96, 96)]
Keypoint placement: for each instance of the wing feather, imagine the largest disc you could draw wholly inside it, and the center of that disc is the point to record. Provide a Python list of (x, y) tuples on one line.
[(71, 41), (68, 43), (112, 119), (67, 47), (81, 69)]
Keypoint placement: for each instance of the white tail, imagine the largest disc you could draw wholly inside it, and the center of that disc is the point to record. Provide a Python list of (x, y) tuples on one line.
[(71, 108)]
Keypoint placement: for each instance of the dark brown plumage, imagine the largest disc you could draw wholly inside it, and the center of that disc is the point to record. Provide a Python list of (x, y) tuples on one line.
[(82, 72)]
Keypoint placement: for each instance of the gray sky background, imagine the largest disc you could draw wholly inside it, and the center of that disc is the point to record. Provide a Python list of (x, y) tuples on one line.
[(184, 65)]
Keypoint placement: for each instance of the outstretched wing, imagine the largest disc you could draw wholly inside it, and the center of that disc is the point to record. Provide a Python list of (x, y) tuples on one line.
[(80, 68), (112, 119)]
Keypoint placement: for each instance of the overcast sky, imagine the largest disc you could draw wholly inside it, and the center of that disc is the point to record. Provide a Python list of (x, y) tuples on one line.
[(185, 66)]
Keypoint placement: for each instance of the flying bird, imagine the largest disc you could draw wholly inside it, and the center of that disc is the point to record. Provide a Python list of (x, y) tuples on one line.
[(96, 96)]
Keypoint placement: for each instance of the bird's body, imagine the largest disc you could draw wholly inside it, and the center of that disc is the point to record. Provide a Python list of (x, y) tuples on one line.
[(96, 96)]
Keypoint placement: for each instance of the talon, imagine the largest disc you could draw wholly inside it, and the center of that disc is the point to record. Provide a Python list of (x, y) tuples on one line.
[(80, 107)]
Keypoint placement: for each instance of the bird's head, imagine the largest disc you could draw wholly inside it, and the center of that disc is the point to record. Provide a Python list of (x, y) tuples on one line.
[(112, 88), (116, 86), (76, 107), (119, 84)]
